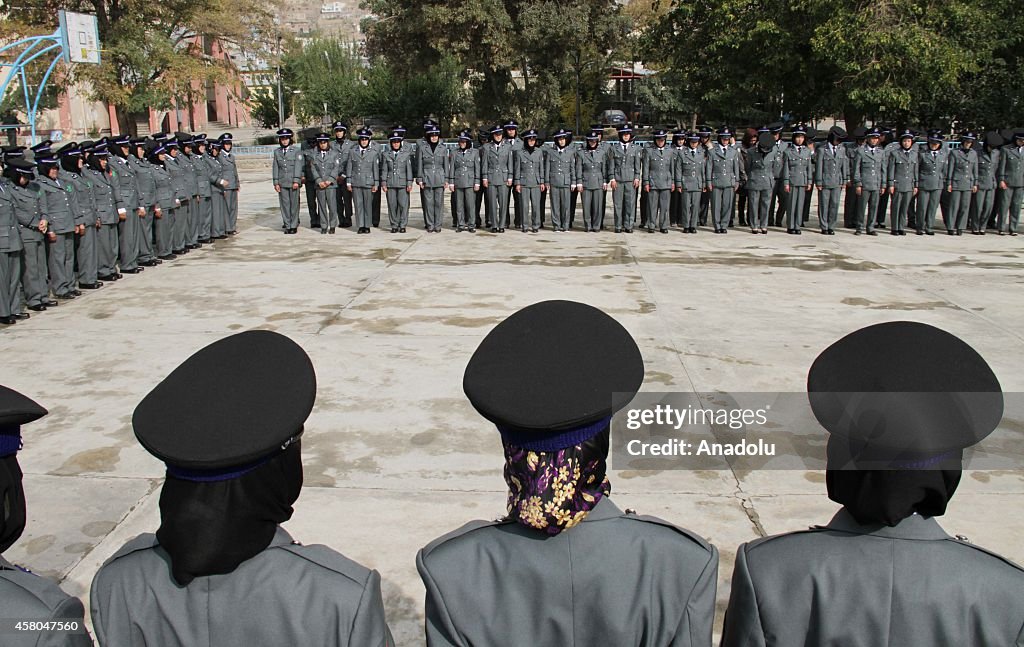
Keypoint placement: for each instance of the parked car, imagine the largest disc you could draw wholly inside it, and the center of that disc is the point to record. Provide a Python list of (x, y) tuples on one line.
[(611, 118)]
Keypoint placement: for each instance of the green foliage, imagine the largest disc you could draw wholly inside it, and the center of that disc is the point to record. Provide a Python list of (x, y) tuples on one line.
[(325, 71), (264, 109)]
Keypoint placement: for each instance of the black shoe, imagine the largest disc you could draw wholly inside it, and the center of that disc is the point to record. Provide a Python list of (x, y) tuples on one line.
[(331, 230), (401, 230), (21, 316), (950, 232), (903, 232), (8, 321), (394, 230), (169, 257), (50, 303), (959, 232), (150, 263), (501, 230), (798, 232), (930, 233), (66, 297), (179, 252), (323, 232), (618, 231), (1013, 233), (108, 277), (134, 270), (894, 232), (37, 308), (90, 286), (650, 231), (209, 241), (664, 231), (920, 232), (532, 231), (872, 233), (629, 231), (858, 232)]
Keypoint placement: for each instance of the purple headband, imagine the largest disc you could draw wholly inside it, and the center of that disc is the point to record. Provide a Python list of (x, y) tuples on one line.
[(528, 439), (226, 473)]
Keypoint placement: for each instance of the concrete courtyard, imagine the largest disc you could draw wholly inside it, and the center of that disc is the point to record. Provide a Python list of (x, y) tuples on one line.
[(395, 455)]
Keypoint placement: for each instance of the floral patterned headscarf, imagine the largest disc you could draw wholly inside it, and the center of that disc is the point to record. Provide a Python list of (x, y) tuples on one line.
[(554, 491)]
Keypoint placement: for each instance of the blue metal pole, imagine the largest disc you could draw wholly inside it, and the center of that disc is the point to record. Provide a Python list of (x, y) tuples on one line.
[(39, 95)]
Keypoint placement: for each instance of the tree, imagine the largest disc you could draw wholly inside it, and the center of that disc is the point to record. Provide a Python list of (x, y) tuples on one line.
[(264, 109), (153, 50), (327, 72)]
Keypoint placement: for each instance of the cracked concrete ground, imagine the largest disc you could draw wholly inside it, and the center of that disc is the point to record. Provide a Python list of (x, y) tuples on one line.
[(394, 454)]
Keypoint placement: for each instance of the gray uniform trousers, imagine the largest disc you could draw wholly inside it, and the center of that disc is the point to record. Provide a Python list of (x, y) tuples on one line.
[(867, 209), (850, 205), (145, 236), (327, 206), (593, 209), (497, 204), (27, 596), (795, 200), (828, 207), (721, 205), (179, 226), (901, 201), (10, 283), (981, 209), (559, 207), (927, 203), (432, 199), (128, 234), (959, 208), (758, 208), (658, 204), (1009, 208), (529, 207), (690, 208), (219, 214), (624, 205), (464, 207), (33, 272), (86, 256), (288, 199), (362, 200), (205, 206), (194, 220), (398, 207), (164, 231), (107, 247), (61, 259), (231, 204)]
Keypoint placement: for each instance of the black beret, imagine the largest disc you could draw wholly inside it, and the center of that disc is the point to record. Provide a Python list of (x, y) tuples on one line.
[(905, 388), (233, 402), (552, 368), (993, 139), (766, 140), (837, 131)]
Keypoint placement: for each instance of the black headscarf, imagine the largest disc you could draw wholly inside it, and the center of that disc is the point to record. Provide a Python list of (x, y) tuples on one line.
[(209, 528), (888, 496), (12, 502)]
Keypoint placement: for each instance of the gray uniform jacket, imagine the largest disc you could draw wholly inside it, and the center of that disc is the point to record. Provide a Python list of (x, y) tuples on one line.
[(860, 586), (363, 169), (593, 169), (529, 168), (203, 168), (188, 174), (28, 210), (325, 166), (1011, 166), (58, 204), (287, 595), (105, 196), (144, 181), (560, 167), (690, 170), (127, 185), (10, 237), (962, 171), (931, 170), (797, 166), (432, 165), (869, 168), (988, 164), (760, 167), (902, 173), (464, 168), (657, 171), (343, 148), (615, 579), (165, 193), (228, 169), (780, 149), (178, 182), (287, 166), (723, 167), (28, 596), (831, 166), (627, 162), (496, 163), (398, 170)]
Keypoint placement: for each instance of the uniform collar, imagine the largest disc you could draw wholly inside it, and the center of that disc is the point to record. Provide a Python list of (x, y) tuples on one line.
[(281, 538), (604, 509), (913, 527)]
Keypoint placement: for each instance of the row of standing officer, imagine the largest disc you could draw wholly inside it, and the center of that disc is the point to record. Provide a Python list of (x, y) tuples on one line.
[(99, 210)]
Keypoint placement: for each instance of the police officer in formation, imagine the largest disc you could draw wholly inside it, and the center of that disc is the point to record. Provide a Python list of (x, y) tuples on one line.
[(626, 171), (723, 179), (100, 210), (220, 570), (363, 177), (553, 569), (831, 174), (869, 178), (1011, 182), (24, 595), (529, 170), (324, 169), (593, 170), (496, 170), (560, 173), (397, 180), (658, 182), (984, 197), (464, 180), (961, 183), (308, 148), (760, 162), (432, 177), (690, 176), (932, 164), (796, 176), (902, 180), (287, 176)]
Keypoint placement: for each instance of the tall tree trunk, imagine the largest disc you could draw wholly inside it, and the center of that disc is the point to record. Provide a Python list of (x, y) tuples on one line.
[(125, 121), (853, 118)]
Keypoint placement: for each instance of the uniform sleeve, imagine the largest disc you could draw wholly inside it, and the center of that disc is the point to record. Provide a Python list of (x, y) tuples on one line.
[(297, 170), (974, 170), (376, 167), (1001, 168), (950, 169), (856, 169), (517, 173), (577, 168), (408, 171), (419, 164), (476, 169), (369, 627), (508, 167), (440, 630), (785, 169), (69, 609), (273, 168), (742, 625), (645, 171)]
